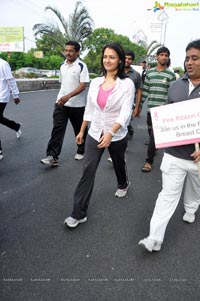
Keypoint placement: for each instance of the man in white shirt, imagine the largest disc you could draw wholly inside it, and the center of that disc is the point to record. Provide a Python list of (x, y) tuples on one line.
[(70, 103), (7, 85)]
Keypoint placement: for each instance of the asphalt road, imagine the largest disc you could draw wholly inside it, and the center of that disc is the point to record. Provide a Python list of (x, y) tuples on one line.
[(40, 259)]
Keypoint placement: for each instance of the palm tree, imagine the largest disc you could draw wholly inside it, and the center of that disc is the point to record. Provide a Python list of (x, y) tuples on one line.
[(78, 26), (150, 50)]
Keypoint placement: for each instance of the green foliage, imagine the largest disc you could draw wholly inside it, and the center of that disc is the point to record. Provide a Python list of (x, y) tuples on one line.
[(47, 44), (19, 59), (99, 38), (52, 36)]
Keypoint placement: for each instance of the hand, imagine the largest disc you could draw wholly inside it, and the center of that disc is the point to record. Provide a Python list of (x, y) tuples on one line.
[(105, 140), (63, 100), (79, 138), (136, 112), (196, 156), (16, 100)]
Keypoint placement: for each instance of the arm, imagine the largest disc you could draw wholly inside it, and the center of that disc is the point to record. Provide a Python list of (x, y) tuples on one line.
[(81, 87), (106, 139), (12, 84), (196, 154), (145, 91), (137, 110), (79, 137)]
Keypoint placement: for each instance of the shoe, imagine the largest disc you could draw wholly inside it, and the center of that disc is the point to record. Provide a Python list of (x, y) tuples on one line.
[(121, 193), (109, 160), (1, 155), (147, 167), (189, 217), (78, 157), (50, 161), (146, 142), (19, 132), (150, 244), (72, 222)]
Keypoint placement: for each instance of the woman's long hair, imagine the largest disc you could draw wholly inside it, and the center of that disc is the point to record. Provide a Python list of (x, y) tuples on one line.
[(120, 51)]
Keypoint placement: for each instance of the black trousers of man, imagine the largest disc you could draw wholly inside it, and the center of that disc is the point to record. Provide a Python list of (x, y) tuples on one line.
[(61, 115), (151, 151), (5, 121)]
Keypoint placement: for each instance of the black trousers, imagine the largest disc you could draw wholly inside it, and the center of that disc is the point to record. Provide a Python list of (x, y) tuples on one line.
[(61, 115), (5, 121), (151, 151), (91, 161)]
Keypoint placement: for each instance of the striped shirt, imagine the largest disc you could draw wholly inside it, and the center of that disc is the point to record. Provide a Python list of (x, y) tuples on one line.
[(156, 87)]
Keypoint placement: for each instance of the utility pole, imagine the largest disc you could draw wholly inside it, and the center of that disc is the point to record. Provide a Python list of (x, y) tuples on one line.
[(163, 18)]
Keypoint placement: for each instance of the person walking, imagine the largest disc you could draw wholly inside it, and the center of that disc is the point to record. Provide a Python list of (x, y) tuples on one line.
[(137, 80), (70, 104), (155, 90), (179, 164), (108, 110), (143, 64), (8, 85)]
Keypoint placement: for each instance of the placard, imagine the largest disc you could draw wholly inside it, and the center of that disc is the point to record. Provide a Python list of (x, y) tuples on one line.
[(176, 124)]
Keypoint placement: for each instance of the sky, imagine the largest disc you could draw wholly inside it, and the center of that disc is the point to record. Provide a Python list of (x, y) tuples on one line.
[(125, 17)]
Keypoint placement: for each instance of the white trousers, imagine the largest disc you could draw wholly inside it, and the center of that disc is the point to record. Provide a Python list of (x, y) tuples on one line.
[(177, 174)]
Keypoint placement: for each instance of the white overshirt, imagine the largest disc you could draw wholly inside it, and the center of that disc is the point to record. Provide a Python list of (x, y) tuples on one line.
[(7, 82), (118, 108), (71, 76)]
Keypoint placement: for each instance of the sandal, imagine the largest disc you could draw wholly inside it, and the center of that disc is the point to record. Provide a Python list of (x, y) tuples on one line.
[(147, 167)]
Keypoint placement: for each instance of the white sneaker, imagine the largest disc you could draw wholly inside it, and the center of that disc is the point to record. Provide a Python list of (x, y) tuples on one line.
[(109, 160), (78, 157), (1, 155), (50, 161), (72, 222), (121, 193), (189, 217), (19, 132), (150, 244)]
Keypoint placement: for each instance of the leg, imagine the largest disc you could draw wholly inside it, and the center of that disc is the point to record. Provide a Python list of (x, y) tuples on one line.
[(151, 147), (149, 123), (173, 176), (191, 193), (84, 189), (60, 120), (76, 119), (149, 126), (117, 151), (7, 122)]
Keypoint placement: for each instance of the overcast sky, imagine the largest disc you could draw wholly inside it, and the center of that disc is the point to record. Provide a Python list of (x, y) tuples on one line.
[(125, 17)]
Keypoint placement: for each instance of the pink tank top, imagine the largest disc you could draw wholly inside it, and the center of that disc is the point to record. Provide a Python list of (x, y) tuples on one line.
[(103, 97)]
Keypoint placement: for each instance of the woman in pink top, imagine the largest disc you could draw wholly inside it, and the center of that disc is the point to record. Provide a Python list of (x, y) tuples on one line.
[(108, 111)]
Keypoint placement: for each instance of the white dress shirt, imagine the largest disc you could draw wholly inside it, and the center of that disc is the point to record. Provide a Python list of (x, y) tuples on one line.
[(7, 82), (118, 108)]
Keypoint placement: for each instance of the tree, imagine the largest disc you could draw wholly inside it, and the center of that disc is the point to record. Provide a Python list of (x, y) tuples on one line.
[(78, 27), (99, 38), (150, 50)]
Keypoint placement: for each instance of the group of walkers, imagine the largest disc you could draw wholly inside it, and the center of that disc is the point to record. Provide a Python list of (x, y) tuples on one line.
[(101, 119)]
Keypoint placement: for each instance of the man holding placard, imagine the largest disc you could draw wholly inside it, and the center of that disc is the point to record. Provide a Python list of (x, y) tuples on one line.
[(180, 162)]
